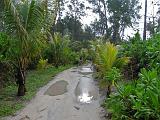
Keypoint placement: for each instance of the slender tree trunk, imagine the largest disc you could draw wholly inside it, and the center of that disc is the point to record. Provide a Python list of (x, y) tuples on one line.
[(21, 82), (1, 15), (116, 35), (153, 18), (75, 34), (108, 90), (106, 19), (122, 35), (145, 21)]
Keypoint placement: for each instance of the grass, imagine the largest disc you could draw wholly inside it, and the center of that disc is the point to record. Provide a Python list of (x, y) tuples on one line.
[(10, 103)]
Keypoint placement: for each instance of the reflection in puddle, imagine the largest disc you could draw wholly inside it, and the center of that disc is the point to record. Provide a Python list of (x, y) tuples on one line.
[(86, 91), (86, 70), (85, 98)]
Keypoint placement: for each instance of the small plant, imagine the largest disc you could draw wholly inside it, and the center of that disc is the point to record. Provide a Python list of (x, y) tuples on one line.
[(42, 64), (110, 79), (106, 59)]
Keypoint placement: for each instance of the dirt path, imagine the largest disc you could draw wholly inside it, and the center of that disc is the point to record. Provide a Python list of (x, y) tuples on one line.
[(72, 95)]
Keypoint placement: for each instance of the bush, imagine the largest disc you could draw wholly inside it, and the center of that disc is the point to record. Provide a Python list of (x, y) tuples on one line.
[(153, 52), (110, 79), (144, 54), (137, 101), (6, 68), (83, 56), (58, 51), (6, 74), (42, 64)]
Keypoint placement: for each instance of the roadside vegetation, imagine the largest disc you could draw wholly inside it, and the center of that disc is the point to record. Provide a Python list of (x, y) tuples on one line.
[(136, 95), (31, 54), (10, 103)]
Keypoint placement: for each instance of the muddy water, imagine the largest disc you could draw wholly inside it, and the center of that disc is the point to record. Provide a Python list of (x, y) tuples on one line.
[(58, 88), (86, 91)]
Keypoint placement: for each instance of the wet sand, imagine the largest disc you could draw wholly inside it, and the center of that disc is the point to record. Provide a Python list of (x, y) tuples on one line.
[(58, 88), (71, 95)]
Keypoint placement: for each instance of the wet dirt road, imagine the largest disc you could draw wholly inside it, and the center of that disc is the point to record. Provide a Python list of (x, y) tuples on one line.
[(72, 95)]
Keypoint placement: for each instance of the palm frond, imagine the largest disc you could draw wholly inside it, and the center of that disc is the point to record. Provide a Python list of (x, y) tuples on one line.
[(13, 21), (107, 58), (120, 62), (35, 16)]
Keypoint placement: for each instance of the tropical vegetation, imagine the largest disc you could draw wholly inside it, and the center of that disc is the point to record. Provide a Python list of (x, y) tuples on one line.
[(40, 38)]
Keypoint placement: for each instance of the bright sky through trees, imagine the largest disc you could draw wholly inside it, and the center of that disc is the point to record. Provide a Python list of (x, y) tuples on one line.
[(129, 32)]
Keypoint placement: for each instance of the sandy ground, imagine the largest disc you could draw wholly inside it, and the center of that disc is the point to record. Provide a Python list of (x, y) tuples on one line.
[(61, 107)]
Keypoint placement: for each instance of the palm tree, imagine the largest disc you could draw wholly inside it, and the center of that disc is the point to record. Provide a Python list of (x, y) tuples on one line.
[(106, 60), (58, 50), (25, 24)]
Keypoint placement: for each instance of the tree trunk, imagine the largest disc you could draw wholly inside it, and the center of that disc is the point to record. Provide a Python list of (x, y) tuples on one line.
[(21, 82), (108, 90), (21, 90), (106, 19), (145, 21)]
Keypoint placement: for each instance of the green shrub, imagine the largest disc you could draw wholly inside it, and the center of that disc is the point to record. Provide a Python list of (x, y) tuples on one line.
[(110, 79), (83, 55), (6, 68), (137, 101), (42, 64), (153, 52), (144, 54), (73, 57), (58, 51), (113, 75)]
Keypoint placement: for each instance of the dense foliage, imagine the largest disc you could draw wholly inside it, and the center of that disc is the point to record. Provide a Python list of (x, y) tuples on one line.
[(28, 42), (138, 99), (59, 51), (6, 69), (144, 54), (23, 23)]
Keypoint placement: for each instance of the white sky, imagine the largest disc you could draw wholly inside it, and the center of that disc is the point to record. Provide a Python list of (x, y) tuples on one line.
[(129, 31)]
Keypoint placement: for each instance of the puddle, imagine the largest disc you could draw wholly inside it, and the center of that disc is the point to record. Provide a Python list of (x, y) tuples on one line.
[(74, 71), (58, 88), (86, 90), (85, 70)]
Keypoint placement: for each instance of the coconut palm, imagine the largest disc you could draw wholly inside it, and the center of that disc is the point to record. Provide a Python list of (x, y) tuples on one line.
[(107, 59), (25, 25)]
